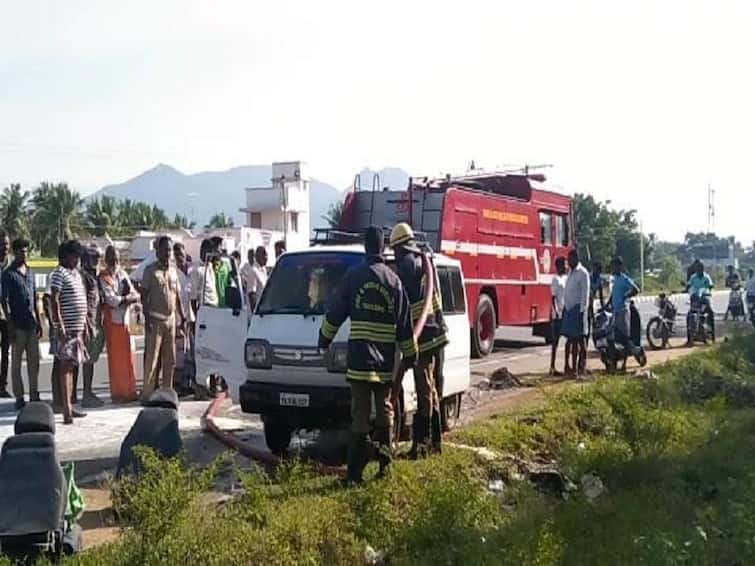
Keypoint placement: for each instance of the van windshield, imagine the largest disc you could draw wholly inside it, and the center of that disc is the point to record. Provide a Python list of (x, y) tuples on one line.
[(304, 283)]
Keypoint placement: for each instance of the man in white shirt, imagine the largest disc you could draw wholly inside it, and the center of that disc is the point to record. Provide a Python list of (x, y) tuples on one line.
[(203, 287), (254, 275), (575, 324), (558, 292)]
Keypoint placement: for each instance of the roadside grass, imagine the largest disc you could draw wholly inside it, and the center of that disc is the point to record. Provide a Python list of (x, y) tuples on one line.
[(676, 456)]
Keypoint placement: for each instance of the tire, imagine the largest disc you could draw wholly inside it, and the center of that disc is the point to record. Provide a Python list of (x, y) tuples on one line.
[(451, 409), (483, 332), (656, 334), (277, 433)]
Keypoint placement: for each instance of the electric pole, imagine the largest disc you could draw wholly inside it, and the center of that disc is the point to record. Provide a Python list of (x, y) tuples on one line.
[(711, 209), (642, 259)]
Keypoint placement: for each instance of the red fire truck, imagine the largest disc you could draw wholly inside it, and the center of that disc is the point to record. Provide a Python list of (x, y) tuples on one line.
[(505, 229)]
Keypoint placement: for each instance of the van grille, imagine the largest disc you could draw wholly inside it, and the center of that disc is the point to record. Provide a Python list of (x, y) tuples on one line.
[(301, 356)]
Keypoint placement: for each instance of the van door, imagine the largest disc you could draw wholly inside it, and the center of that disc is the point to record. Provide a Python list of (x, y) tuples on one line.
[(456, 368), (219, 341)]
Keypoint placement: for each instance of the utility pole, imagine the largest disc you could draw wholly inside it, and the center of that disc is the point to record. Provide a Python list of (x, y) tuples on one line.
[(711, 209), (642, 259)]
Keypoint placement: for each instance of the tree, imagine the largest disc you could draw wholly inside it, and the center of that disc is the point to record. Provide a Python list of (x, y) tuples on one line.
[(56, 217), (603, 232), (103, 216), (335, 212), (220, 220), (14, 213), (181, 221)]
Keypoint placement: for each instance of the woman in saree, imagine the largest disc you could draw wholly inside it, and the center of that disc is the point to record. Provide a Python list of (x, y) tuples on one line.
[(118, 294)]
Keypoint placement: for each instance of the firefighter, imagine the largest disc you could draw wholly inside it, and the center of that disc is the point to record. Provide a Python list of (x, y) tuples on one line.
[(373, 297), (432, 340)]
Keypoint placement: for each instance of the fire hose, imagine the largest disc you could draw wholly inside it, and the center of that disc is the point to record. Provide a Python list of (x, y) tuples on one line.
[(268, 458)]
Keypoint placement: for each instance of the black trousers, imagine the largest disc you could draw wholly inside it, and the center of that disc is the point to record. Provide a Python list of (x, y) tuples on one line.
[(4, 354)]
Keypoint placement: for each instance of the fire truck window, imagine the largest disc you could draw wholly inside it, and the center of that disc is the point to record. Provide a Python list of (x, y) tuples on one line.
[(446, 294), (546, 228), (460, 305), (562, 230)]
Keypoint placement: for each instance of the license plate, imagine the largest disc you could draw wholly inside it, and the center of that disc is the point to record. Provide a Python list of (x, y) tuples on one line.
[(294, 400)]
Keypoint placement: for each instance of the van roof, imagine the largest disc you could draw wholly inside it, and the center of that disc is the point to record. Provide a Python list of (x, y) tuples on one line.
[(439, 259)]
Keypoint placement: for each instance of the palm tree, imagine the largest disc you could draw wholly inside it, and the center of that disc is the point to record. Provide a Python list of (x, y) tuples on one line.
[(57, 215), (220, 220), (333, 217), (181, 221), (103, 216), (14, 212)]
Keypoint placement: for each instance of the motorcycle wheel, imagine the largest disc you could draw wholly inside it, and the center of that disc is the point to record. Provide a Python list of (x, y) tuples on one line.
[(657, 334)]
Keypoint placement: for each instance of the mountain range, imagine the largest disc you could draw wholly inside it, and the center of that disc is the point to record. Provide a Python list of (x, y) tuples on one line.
[(200, 195)]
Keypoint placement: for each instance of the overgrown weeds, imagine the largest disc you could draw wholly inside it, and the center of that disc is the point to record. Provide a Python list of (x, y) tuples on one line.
[(676, 455)]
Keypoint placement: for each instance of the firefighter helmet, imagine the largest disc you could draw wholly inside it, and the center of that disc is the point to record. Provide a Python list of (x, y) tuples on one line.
[(401, 234)]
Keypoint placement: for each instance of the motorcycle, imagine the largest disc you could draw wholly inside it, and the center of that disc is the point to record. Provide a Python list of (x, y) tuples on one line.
[(661, 328), (736, 306), (699, 327), (611, 351)]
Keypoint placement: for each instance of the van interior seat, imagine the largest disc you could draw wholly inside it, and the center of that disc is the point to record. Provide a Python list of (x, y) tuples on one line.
[(32, 484)]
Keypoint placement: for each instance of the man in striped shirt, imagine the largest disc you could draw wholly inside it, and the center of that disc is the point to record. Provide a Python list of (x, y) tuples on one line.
[(69, 317)]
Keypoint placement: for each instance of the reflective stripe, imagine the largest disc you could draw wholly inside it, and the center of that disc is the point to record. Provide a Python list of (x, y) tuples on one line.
[(369, 375), (408, 347), (373, 332), (436, 342), (416, 308), (328, 330)]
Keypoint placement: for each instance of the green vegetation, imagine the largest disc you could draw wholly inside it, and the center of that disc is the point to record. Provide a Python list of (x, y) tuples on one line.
[(676, 455)]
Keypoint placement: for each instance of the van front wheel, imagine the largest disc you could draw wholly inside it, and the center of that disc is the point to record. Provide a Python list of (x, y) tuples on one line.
[(277, 433)]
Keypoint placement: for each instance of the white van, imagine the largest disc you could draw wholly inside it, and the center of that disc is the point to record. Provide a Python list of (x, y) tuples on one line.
[(291, 385)]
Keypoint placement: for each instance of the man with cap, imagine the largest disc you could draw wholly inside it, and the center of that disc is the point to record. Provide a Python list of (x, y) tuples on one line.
[(93, 334), (432, 340), (372, 296)]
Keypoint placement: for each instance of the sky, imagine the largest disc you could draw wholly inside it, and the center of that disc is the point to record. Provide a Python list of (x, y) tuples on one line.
[(642, 103)]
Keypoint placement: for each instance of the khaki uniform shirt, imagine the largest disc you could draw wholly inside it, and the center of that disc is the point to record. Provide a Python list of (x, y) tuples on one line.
[(160, 288)]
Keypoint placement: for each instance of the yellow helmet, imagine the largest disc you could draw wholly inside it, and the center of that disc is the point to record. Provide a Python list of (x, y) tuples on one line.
[(401, 234)]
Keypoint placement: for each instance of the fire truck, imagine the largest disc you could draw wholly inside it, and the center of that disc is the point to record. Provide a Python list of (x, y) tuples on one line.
[(505, 228)]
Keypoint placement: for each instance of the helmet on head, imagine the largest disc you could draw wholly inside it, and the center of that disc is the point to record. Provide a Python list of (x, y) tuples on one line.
[(401, 234)]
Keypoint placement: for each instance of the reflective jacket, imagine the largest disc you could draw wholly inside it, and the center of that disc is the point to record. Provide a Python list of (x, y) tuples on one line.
[(372, 296), (434, 333)]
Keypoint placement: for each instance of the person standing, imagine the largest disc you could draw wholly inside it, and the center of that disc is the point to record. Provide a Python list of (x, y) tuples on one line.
[(19, 299), (93, 335), (185, 335), (623, 290), (68, 303), (558, 290), (4, 334), (576, 303), (118, 295), (433, 338), (203, 287), (373, 297), (280, 249), (254, 275), (161, 300)]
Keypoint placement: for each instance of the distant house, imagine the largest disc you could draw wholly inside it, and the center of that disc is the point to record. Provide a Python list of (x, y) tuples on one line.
[(283, 206)]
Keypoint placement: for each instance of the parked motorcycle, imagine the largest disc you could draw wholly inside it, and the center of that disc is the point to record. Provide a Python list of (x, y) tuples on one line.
[(699, 327), (661, 328), (612, 352), (736, 306)]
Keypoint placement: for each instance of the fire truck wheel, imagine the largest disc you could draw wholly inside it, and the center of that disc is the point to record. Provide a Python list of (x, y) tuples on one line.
[(483, 333)]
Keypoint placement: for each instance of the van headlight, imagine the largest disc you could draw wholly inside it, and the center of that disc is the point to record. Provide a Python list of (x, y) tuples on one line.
[(257, 354), (338, 358)]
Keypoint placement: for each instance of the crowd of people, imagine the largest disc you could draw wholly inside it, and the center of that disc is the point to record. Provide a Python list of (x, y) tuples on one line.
[(574, 293), (88, 306)]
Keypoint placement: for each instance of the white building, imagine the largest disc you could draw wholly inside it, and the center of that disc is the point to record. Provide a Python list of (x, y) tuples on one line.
[(283, 206)]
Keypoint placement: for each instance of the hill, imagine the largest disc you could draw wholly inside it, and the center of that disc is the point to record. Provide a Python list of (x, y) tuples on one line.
[(201, 195)]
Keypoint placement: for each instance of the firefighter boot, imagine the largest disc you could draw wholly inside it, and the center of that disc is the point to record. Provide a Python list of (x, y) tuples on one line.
[(421, 432), (357, 459), (436, 436), (384, 437)]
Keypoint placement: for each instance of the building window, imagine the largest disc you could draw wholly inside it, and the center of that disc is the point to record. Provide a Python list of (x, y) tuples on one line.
[(562, 230), (546, 228), (294, 224), (255, 220)]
